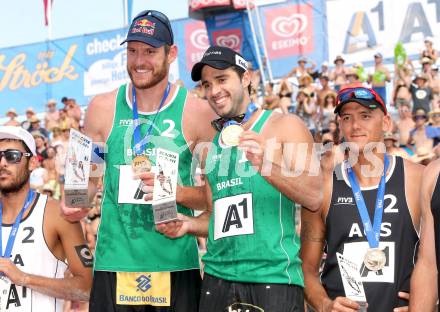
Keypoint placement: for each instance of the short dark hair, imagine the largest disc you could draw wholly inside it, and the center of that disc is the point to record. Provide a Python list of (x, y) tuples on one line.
[(240, 73), (26, 148)]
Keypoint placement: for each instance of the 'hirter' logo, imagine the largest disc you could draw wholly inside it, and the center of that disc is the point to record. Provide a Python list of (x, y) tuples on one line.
[(144, 283)]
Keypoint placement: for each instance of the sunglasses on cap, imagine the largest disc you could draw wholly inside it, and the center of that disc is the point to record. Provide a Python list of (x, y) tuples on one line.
[(161, 17), (359, 93), (13, 156), (219, 123)]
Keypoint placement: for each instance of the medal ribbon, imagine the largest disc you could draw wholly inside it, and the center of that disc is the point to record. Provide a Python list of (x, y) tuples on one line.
[(249, 111), (139, 143), (15, 226), (371, 231)]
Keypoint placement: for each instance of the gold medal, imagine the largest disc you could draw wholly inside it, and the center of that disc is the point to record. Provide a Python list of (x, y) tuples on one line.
[(375, 259), (140, 164), (231, 134)]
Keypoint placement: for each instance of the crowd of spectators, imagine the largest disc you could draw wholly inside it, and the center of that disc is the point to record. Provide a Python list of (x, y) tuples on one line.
[(410, 89)]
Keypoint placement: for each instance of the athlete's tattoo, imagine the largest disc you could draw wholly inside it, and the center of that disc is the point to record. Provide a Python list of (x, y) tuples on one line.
[(85, 255)]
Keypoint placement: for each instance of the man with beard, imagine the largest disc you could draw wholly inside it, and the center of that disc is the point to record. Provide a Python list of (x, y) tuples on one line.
[(159, 273), (253, 179), (36, 239)]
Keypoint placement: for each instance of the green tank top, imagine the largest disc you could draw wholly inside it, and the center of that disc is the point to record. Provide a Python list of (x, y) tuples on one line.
[(127, 239), (252, 234)]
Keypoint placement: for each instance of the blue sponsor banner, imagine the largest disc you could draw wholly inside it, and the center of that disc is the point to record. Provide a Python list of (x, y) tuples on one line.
[(82, 66)]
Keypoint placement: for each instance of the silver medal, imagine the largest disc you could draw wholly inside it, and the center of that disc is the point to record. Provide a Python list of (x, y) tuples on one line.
[(375, 259)]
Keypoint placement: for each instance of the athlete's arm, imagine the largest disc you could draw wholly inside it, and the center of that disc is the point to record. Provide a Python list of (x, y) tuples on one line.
[(65, 240), (199, 133), (97, 124), (425, 272), (197, 226), (296, 173)]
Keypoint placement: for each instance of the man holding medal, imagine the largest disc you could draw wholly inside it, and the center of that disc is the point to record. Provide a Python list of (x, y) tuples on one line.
[(425, 278), (35, 241), (137, 268), (369, 221), (252, 256)]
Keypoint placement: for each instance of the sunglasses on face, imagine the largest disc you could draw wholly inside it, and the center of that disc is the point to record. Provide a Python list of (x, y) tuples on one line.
[(219, 123), (359, 93), (419, 117), (161, 17), (13, 156)]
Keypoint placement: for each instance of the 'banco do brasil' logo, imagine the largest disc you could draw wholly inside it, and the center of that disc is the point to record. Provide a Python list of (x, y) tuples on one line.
[(144, 283)]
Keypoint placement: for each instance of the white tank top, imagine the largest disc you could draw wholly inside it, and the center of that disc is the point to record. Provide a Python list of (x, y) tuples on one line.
[(32, 255)]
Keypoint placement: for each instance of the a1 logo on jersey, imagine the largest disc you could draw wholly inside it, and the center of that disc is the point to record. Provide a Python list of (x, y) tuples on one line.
[(233, 216)]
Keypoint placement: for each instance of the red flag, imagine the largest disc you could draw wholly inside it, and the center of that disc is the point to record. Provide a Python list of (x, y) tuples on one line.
[(46, 11)]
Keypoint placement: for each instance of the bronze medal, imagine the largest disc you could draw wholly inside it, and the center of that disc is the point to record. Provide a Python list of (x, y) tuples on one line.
[(375, 259), (231, 135), (140, 164)]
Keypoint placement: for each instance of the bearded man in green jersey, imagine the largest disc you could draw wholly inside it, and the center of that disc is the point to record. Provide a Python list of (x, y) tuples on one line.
[(137, 268)]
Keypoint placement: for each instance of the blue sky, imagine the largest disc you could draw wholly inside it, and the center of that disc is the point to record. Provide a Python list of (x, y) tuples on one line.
[(22, 21)]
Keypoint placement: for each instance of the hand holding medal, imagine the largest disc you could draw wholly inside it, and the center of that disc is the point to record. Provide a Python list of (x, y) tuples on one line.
[(231, 131)]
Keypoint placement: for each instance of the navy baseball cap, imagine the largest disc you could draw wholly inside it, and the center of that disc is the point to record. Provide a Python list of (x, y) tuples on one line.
[(151, 27), (219, 58)]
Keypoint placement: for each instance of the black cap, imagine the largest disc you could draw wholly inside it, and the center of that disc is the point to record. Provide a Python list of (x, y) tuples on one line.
[(151, 27), (219, 58)]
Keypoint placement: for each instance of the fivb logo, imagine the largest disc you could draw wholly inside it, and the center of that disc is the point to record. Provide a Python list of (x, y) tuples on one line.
[(345, 200), (289, 26)]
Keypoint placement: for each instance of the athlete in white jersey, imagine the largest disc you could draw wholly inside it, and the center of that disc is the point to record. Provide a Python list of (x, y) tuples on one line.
[(35, 240)]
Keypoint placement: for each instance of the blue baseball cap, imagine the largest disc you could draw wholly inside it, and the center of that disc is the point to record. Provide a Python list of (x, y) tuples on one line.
[(151, 27)]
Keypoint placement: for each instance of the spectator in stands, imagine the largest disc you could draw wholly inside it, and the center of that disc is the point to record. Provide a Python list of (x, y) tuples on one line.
[(423, 137), (271, 100), (12, 114), (435, 86), (426, 65), (338, 74), (301, 69), (285, 95), (36, 127), (324, 90), (65, 122), (52, 115), (390, 140), (380, 77), (434, 117), (401, 94), (327, 109), (404, 124), (74, 112), (306, 84), (40, 142), (306, 109), (29, 114), (52, 175), (352, 76), (421, 93), (429, 50), (38, 176), (324, 71)]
